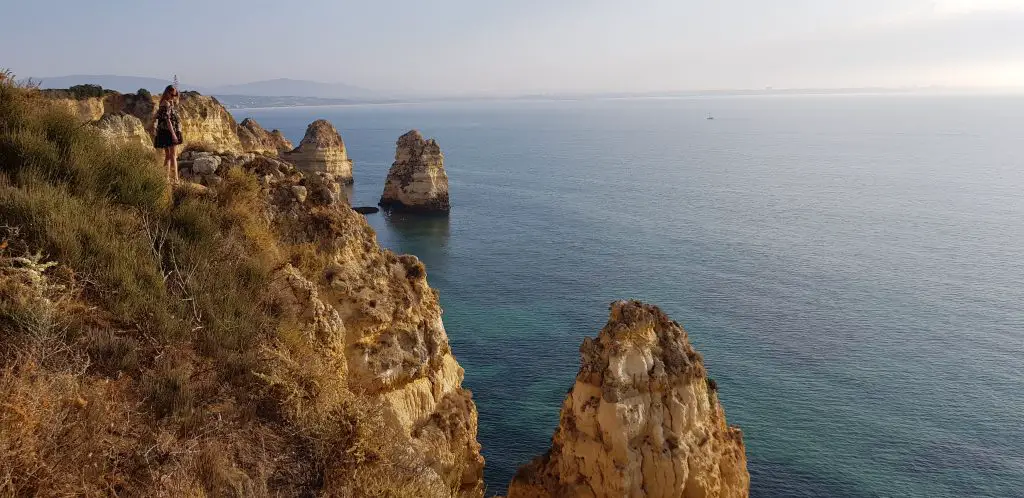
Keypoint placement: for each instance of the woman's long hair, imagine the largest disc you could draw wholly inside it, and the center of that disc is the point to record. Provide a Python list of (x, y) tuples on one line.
[(169, 93)]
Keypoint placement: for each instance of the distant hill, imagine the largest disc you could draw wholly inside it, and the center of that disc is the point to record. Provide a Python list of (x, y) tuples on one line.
[(123, 84), (284, 87)]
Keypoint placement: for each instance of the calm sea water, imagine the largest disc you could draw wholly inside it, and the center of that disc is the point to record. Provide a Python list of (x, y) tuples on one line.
[(851, 267)]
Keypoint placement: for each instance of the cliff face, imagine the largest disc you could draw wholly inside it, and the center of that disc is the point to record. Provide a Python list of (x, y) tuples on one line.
[(123, 128), (642, 420), (395, 342), (322, 151), (256, 139), (203, 120), (86, 109), (417, 180)]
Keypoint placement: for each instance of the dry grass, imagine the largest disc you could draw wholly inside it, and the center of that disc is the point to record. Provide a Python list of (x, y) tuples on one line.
[(151, 360), (199, 147)]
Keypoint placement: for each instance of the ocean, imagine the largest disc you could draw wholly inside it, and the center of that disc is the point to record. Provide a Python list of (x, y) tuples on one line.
[(851, 268)]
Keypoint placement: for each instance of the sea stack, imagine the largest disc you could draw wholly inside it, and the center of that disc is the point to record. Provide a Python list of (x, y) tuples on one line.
[(322, 151), (417, 180), (643, 419), (256, 139)]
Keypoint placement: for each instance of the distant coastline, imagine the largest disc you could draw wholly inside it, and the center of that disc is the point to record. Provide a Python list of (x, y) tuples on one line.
[(233, 102)]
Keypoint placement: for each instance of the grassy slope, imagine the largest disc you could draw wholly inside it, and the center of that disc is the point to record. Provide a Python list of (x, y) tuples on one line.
[(151, 357)]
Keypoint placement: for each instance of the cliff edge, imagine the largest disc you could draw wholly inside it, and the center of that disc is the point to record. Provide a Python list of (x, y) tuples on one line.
[(642, 420), (244, 337)]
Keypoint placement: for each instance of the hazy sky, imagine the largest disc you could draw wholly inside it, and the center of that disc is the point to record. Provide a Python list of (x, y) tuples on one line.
[(524, 46)]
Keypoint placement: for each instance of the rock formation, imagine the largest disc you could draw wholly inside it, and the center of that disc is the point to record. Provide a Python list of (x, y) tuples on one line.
[(417, 180), (322, 151), (86, 109), (203, 119), (376, 311), (642, 420), (395, 342), (255, 139), (121, 127)]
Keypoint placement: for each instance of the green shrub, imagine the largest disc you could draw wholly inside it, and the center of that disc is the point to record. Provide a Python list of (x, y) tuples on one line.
[(86, 91)]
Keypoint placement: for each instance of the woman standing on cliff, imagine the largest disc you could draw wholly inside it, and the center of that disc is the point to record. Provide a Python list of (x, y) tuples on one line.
[(168, 130)]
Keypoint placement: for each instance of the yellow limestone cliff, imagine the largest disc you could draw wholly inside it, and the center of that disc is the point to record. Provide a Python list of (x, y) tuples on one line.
[(123, 128), (322, 151), (204, 121), (642, 420), (256, 139), (395, 342)]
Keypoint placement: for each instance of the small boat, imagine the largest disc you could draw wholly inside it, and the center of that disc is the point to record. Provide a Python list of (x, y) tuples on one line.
[(710, 117)]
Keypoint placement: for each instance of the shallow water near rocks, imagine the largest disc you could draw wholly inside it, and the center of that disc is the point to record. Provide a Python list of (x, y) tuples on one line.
[(851, 267)]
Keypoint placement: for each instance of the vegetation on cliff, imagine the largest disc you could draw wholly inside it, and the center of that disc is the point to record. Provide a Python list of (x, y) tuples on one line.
[(167, 342)]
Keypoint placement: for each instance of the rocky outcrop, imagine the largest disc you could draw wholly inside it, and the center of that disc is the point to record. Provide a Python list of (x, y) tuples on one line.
[(86, 109), (642, 420), (322, 151), (123, 128), (204, 121), (395, 344), (417, 180), (255, 139)]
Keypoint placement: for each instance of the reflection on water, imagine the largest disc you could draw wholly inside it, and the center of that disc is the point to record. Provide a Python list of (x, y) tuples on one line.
[(426, 230), (426, 236)]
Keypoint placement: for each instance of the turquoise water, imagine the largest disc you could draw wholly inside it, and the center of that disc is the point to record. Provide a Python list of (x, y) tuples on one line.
[(851, 267)]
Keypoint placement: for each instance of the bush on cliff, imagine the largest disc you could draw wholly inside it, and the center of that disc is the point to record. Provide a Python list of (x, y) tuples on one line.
[(141, 350)]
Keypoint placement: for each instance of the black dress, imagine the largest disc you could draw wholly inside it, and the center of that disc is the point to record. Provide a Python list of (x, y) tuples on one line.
[(167, 120)]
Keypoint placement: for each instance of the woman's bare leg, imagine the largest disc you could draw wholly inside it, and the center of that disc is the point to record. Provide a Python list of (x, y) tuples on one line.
[(167, 164), (172, 150)]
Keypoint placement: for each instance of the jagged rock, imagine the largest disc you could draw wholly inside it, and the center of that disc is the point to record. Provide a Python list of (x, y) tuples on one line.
[(322, 151), (205, 165), (641, 420), (417, 180), (396, 344), (321, 194), (122, 127), (256, 139), (300, 193), (299, 301)]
